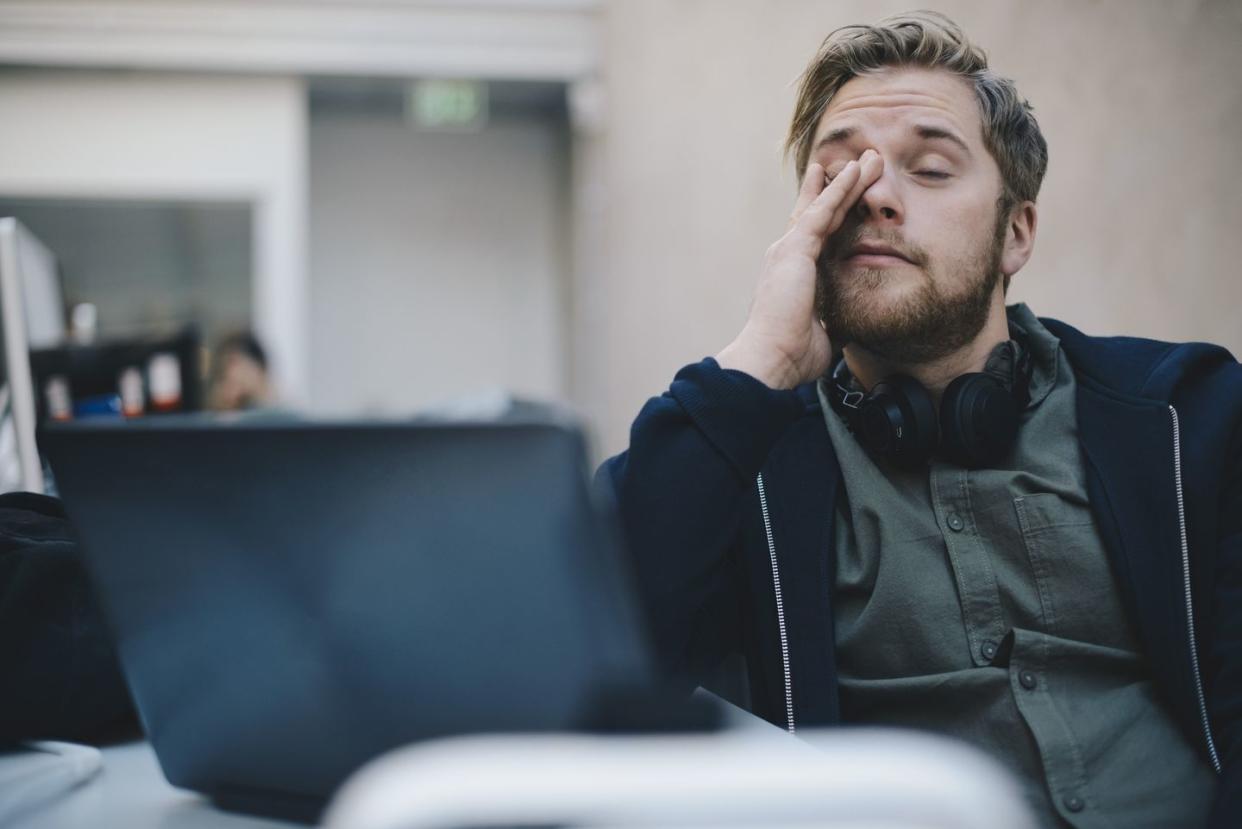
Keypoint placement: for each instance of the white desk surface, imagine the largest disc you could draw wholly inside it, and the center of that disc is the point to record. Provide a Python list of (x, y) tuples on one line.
[(130, 791)]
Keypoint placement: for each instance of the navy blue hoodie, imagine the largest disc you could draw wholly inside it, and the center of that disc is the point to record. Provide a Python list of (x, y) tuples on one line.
[(727, 493)]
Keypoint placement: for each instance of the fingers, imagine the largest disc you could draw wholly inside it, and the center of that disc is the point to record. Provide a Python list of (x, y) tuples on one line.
[(870, 166), (826, 212), (813, 183)]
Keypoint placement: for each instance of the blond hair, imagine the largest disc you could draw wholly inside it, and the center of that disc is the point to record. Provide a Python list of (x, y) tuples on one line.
[(928, 40)]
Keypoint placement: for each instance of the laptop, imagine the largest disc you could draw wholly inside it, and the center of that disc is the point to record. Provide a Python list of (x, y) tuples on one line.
[(291, 599)]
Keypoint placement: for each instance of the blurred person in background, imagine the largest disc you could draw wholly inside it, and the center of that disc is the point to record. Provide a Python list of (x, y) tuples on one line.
[(907, 504), (238, 379)]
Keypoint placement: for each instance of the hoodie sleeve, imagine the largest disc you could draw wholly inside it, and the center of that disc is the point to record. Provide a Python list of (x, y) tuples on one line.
[(1223, 660), (681, 489)]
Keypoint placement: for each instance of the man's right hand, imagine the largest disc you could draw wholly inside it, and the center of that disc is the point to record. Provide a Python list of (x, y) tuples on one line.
[(783, 342)]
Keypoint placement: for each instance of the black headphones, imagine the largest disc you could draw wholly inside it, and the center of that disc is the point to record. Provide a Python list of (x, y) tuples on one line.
[(978, 419)]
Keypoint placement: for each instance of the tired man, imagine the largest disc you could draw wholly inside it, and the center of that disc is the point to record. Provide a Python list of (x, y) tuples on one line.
[(906, 504)]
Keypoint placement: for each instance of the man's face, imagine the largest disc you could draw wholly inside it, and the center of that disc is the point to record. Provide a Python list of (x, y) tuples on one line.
[(912, 273), (240, 384)]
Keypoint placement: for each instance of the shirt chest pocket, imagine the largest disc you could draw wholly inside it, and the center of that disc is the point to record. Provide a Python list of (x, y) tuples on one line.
[(1078, 597)]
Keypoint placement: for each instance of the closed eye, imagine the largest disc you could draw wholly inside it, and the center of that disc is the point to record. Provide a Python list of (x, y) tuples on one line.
[(939, 174)]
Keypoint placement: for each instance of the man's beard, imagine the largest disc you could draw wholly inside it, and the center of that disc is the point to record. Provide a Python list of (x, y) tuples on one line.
[(922, 327)]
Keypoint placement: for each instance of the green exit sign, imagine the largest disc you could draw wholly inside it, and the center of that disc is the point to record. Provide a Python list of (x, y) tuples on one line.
[(447, 104)]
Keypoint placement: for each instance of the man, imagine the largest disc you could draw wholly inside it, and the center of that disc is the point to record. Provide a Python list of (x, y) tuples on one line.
[(239, 379), (906, 504)]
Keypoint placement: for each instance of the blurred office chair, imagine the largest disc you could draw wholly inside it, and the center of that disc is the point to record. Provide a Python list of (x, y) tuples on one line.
[(843, 779)]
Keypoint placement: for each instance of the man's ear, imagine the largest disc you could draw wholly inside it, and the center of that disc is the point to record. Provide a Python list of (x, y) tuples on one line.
[(1019, 238)]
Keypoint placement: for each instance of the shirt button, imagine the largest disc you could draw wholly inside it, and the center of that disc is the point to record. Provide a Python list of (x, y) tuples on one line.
[(988, 650), (1074, 804), (955, 522), (1027, 680)]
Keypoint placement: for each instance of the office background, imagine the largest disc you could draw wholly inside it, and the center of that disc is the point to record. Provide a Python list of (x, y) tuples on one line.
[(253, 163)]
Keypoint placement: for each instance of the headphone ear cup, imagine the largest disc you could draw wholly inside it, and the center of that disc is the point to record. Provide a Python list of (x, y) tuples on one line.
[(978, 421), (898, 420)]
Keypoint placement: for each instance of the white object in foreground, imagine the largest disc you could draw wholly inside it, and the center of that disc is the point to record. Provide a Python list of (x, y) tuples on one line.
[(845, 779)]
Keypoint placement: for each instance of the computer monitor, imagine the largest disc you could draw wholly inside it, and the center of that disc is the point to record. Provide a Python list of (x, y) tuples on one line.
[(31, 315)]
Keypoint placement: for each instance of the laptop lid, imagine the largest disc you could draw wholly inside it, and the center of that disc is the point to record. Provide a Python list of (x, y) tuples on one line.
[(290, 600)]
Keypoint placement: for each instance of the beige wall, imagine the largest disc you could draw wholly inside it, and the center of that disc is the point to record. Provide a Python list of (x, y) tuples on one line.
[(1141, 214)]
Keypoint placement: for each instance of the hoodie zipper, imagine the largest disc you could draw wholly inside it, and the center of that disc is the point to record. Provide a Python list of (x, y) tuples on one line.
[(780, 605), (1190, 611)]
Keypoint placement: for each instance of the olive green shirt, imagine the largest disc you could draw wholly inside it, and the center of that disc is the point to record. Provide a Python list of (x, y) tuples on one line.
[(981, 604)]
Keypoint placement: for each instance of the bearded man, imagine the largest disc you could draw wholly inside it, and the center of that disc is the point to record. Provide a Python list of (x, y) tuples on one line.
[(906, 504)]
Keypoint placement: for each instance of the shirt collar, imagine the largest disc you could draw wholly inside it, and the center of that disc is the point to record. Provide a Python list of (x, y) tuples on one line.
[(1044, 348)]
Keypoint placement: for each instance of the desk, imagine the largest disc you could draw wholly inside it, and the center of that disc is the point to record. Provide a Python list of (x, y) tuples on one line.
[(130, 791), (849, 778)]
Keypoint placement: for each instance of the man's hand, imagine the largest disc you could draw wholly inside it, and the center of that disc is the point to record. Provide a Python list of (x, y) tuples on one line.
[(783, 342)]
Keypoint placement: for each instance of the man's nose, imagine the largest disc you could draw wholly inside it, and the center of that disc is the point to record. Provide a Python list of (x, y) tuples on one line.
[(881, 201)]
